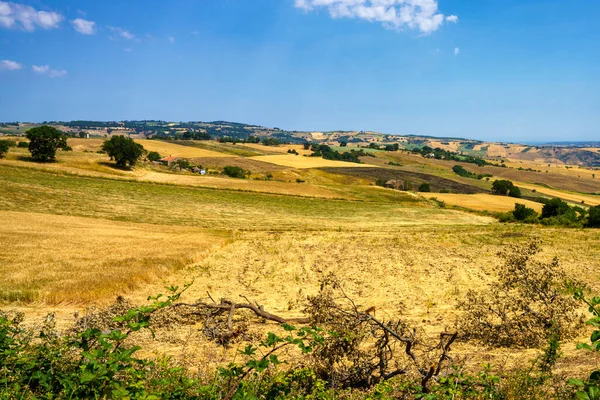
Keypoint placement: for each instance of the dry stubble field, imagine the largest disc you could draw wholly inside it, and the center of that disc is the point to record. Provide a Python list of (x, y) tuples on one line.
[(71, 241)]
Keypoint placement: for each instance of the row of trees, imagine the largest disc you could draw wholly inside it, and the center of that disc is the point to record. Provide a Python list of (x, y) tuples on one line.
[(556, 212)]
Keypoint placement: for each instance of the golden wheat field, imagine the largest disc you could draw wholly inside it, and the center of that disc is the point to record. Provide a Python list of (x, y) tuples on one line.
[(301, 162), (484, 201)]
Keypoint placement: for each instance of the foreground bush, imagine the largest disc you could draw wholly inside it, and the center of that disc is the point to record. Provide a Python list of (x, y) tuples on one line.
[(352, 356), (527, 304)]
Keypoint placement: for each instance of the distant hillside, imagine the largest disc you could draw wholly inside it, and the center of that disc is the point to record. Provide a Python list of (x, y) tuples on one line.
[(569, 153)]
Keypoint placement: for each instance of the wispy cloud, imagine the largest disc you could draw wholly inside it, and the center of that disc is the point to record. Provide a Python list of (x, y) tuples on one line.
[(46, 70), (171, 39), (421, 15), (83, 26), (10, 65), (120, 33), (13, 15), (456, 51)]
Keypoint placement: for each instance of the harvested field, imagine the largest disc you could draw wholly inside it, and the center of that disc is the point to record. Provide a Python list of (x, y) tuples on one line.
[(54, 258), (165, 149), (249, 164), (293, 161), (142, 202), (483, 201), (415, 178)]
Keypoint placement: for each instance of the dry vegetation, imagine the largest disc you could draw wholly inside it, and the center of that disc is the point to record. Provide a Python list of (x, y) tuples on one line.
[(79, 232), (483, 201), (54, 259)]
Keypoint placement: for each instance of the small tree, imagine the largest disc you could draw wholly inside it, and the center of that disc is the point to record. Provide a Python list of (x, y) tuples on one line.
[(554, 208), (425, 187), (4, 145), (514, 192), (153, 156), (503, 188), (123, 150), (235, 172), (44, 141), (594, 217), (522, 212)]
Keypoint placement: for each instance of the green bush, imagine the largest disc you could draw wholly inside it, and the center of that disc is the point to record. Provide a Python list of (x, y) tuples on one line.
[(235, 172), (153, 156), (522, 212), (505, 188), (4, 146), (44, 141), (123, 150), (23, 145), (594, 217), (425, 187)]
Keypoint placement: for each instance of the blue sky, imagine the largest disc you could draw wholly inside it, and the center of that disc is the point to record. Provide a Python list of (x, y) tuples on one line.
[(511, 70)]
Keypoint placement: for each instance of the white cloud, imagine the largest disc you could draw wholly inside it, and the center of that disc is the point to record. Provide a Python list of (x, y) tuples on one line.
[(171, 39), (83, 26), (422, 15), (456, 51), (10, 65), (120, 33), (46, 70), (13, 15)]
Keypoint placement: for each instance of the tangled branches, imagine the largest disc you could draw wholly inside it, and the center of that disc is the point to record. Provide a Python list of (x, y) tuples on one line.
[(529, 302)]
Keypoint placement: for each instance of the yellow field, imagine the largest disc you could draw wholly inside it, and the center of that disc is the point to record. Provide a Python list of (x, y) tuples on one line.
[(572, 197), (300, 162), (483, 201), (280, 149), (166, 149), (54, 259)]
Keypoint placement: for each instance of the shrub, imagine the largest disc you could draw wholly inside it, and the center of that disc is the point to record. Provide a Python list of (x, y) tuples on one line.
[(4, 146), (123, 150), (504, 188), (554, 208), (22, 144), (594, 217), (271, 142), (514, 192), (153, 156), (522, 212), (235, 172), (425, 187), (524, 307), (44, 141)]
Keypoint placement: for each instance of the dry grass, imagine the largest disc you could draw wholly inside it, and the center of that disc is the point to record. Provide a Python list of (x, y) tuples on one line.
[(165, 148), (589, 200), (55, 259), (293, 161), (419, 273), (483, 201)]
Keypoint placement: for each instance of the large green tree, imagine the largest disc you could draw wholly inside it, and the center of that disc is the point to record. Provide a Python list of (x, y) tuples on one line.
[(44, 141), (123, 150), (4, 145)]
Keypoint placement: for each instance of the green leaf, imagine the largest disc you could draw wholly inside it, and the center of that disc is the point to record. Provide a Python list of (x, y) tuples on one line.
[(576, 382), (594, 392), (582, 396), (595, 336), (584, 346)]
